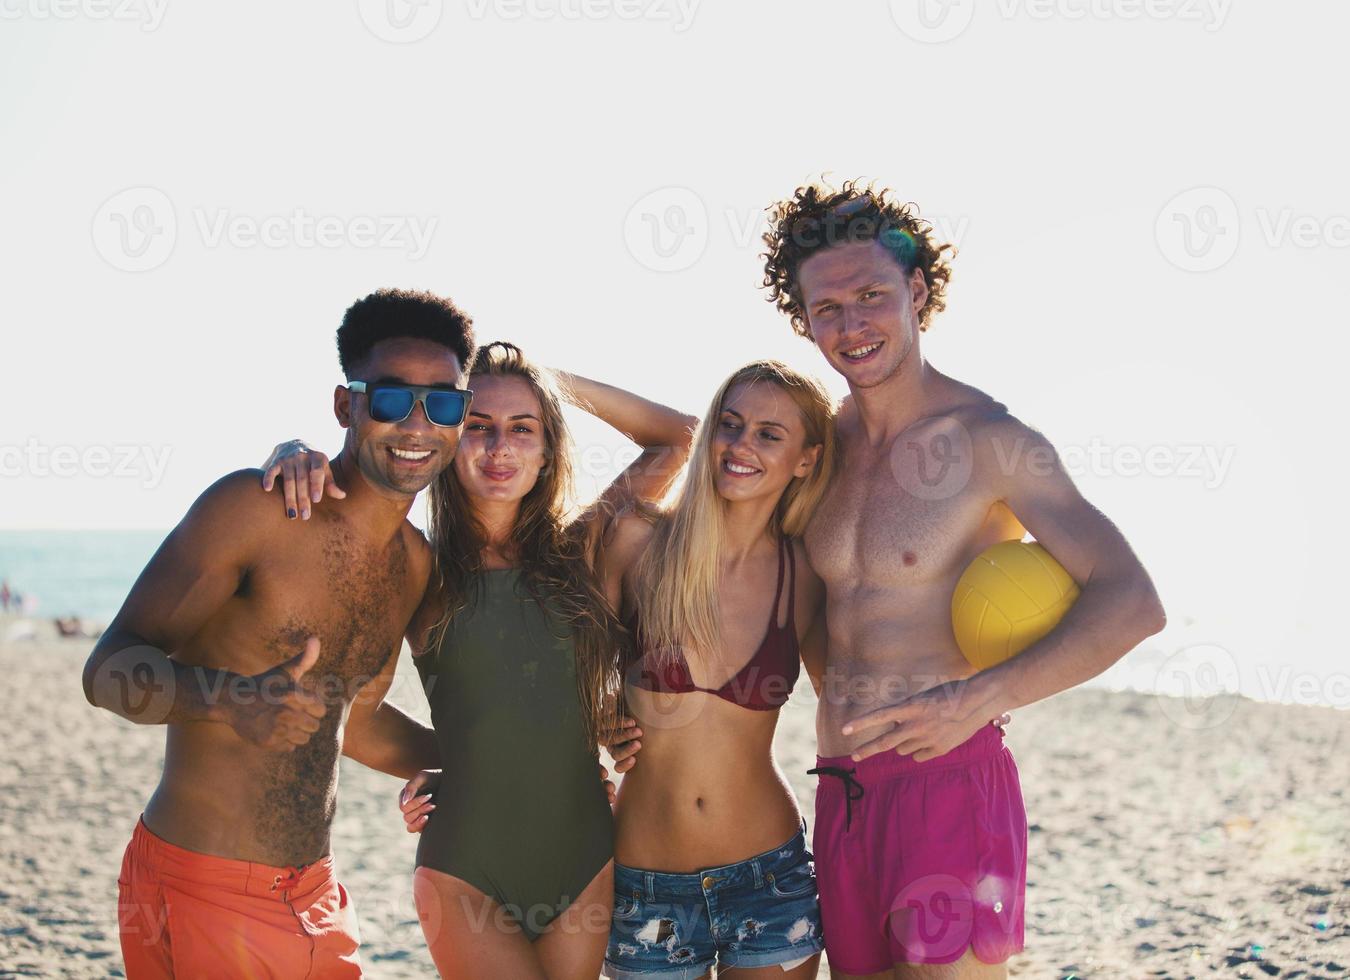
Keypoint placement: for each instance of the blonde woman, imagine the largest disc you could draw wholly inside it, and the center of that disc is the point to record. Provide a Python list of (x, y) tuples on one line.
[(711, 862)]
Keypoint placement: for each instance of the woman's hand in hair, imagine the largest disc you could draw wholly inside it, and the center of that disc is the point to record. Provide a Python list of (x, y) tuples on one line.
[(305, 475)]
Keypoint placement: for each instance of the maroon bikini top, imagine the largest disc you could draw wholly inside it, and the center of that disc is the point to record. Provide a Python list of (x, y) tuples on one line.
[(764, 683)]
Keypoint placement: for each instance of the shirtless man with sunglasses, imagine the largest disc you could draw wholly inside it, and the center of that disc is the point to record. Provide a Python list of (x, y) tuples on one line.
[(266, 649)]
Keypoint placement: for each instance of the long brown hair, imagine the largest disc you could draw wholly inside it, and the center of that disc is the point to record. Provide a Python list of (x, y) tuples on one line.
[(551, 552), (677, 576)]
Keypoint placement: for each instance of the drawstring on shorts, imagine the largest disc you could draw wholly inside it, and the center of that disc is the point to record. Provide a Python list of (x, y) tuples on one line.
[(850, 786)]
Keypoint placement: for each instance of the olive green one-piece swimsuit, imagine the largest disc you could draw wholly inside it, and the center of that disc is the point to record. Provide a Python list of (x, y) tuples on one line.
[(520, 813)]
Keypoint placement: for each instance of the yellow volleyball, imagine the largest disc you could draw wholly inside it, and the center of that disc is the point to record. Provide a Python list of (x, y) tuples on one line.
[(1011, 595)]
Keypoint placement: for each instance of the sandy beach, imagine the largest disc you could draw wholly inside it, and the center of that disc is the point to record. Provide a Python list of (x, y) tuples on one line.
[(1166, 840)]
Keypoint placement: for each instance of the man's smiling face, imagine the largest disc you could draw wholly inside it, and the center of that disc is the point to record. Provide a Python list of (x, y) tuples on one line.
[(401, 457), (862, 309)]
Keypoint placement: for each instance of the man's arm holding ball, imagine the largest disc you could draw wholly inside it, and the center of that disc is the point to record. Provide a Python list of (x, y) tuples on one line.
[(1118, 607)]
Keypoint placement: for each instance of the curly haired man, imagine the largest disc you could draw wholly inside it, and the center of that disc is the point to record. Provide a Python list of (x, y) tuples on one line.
[(921, 833)]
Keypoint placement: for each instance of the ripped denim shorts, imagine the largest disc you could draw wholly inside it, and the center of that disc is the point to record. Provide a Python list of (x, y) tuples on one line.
[(759, 912)]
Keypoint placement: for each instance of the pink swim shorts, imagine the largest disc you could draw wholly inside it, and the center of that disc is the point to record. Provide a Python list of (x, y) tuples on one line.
[(919, 861)]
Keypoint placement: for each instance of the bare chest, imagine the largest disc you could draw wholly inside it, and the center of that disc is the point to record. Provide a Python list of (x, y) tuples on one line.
[(356, 600), (903, 517)]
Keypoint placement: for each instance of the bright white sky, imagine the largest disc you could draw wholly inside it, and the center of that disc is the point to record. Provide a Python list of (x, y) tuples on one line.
[(534, 145)]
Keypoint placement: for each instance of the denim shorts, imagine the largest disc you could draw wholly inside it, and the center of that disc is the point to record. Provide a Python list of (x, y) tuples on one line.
[(759, 912)]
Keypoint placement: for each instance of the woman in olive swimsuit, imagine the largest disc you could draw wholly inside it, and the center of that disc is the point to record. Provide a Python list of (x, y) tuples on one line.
[(518, 648)]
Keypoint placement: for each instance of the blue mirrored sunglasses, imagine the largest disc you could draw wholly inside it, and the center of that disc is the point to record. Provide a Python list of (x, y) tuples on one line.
[(390, 402)]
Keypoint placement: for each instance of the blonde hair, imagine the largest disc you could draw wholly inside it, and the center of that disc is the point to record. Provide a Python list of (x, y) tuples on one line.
[(677, 577), (552, 552)]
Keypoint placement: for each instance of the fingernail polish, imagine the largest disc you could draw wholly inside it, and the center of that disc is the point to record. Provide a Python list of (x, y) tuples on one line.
[(290, 512)]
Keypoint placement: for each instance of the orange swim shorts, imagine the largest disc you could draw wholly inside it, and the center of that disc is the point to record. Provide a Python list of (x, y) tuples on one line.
[(188, 915)]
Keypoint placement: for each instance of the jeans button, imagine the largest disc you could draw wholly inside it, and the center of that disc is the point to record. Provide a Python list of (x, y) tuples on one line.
[(709, 881)]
